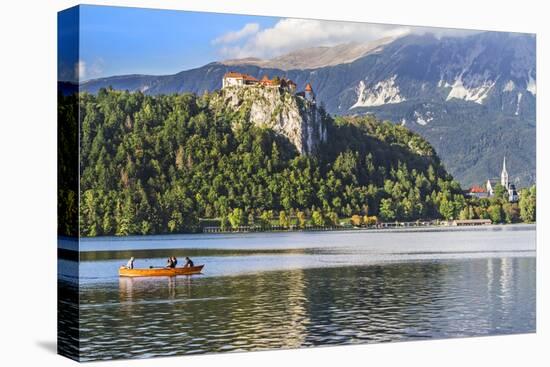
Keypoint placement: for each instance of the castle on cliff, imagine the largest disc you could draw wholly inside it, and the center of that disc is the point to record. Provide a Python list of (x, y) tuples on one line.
[(241, 80)]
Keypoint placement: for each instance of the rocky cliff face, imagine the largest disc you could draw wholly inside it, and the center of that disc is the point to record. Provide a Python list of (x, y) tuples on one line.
[(301, 121)]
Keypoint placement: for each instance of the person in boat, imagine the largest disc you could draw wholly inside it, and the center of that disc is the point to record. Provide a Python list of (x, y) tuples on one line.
[(188, 262), (169, 263), (174, 261), (130, 263)]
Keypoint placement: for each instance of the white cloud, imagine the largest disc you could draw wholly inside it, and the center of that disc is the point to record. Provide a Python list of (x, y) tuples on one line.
[(80, 70), (96, 68), (291, 34), (248, 30), (443, 32), (88, 70)]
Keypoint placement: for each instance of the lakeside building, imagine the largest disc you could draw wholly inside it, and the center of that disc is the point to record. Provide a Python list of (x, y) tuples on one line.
[(241, 80), (505, 182), (470, 222), (477, 191)]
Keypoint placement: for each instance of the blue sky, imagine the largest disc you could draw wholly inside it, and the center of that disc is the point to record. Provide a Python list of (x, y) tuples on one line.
[(116, 40), (120, 40)]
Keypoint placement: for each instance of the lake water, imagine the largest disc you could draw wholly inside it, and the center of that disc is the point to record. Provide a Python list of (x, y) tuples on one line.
[(299, 289)]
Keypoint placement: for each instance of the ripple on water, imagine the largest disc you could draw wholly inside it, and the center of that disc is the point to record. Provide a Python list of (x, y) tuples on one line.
[(299, 308)]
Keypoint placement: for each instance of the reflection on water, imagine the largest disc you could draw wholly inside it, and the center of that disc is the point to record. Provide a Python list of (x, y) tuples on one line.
[(251, 253), (287, 290), (277, 241), (138, 318), (67, 320)]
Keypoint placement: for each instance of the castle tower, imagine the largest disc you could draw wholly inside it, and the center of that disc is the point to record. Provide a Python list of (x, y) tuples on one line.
[(504, 175), (308, 93)]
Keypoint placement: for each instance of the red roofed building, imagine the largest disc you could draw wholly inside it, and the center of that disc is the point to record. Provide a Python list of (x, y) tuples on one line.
[(234, 79), (266, 82), (477, 191)]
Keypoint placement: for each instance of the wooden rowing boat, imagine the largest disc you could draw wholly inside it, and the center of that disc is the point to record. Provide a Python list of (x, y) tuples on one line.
[(159, 272)]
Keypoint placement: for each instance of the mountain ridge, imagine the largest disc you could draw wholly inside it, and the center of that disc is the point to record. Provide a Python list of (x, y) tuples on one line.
[(315, 57), (452, 90)]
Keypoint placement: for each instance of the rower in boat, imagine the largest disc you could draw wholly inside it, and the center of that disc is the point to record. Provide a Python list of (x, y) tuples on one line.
[(152, 272), (172, 262), (170, 269), (129, 264)]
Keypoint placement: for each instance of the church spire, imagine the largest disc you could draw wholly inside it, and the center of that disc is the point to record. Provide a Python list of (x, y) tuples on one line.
[(504, 174)]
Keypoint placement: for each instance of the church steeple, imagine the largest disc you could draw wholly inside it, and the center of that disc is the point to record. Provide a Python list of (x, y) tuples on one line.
[(504, 175)]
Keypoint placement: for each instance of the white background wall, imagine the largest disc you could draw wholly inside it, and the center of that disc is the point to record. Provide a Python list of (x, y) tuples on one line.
[(28, 181)]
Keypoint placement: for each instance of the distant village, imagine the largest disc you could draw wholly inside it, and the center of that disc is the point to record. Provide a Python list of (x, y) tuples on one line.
[(234, 79), (489, 190)]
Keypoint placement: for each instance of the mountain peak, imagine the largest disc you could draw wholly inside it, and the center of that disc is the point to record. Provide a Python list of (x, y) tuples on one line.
[(316, 57)]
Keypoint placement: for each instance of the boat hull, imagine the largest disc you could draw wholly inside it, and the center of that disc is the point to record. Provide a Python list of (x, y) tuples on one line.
[(159, 272)]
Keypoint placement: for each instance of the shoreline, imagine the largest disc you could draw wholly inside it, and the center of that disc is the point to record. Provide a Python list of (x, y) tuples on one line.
[(79, 244), (450, 228)]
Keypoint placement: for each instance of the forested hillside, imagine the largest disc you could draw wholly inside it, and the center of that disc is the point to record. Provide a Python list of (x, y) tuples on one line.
[(159, 164)]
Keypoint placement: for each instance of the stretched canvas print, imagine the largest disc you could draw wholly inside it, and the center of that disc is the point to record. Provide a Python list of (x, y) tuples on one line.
[(241, 183)]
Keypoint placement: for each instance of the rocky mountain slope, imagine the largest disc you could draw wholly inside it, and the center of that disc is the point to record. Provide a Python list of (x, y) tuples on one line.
[(472, 97)]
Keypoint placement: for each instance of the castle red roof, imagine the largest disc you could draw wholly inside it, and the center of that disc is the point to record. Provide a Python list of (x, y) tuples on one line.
[(266, 81), (233, 74), (308, 88)]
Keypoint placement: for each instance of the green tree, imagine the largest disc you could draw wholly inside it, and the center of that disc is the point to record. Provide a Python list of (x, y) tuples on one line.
[(236, 217), (500, 192), (495, 213), (527, 204), (333, 218), (301, 216), (447, 209), (464, 213), (511, 212), (283, 219), (224, 223), (266, 218), (317, 218), (386, 210)]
